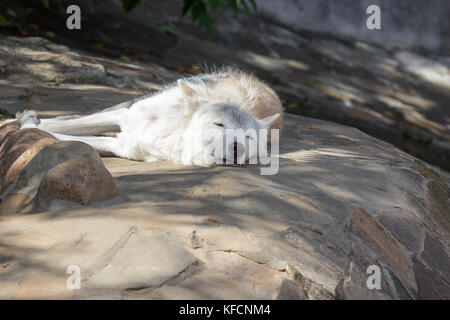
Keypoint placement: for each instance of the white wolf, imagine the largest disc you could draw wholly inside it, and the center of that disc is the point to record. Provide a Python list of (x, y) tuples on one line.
[(169, 125)]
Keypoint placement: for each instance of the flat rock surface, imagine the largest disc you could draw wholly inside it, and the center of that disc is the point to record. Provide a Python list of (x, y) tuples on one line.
[(341, 201)]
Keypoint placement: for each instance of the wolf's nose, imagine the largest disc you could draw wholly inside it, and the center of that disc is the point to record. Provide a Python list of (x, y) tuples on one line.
[(237, 150)]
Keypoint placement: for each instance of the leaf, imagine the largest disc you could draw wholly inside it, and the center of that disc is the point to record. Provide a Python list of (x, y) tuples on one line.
[(203, 11), (246, 8), (98, 47), (253, 2), (215, 5), (46, 3), (233, 4), (198, 10), (60, 6), (23, 96), (207, 22), (4, 22), (24, 32), (187, 5), (192, 69), (162, 27), (129, 5)]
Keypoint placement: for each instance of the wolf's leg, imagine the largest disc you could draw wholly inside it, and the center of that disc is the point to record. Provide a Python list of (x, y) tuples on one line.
[(93, 124), (27, 119), (103, 145)]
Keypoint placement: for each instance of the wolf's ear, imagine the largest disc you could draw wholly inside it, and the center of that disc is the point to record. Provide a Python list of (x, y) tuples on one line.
[(189, 95), (186, 89), (269, 120)]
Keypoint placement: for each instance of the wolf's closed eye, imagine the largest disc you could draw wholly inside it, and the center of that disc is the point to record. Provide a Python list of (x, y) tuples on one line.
[(219, 124)]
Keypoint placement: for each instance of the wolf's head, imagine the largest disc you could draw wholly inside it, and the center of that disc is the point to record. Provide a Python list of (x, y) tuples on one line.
[(220, 133)]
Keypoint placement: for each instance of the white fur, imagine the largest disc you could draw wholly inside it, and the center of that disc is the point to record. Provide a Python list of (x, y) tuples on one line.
[(169, 125)]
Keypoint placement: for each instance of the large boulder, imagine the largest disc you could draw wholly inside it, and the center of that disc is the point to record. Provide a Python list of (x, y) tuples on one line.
[(83, 178), (32, 160), (17, 148)]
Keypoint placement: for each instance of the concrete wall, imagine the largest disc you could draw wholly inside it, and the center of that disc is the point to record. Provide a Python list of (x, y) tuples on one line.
[(405, 23)]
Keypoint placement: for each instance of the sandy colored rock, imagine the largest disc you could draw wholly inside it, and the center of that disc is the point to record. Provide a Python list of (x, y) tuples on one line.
[(38, 59), (6, 127), (32, 160), (157, 260), (376, 238), (435, 256), (177, 232), (17, 148), (430, 285), (13, 204), (83, 179), (16, 167)]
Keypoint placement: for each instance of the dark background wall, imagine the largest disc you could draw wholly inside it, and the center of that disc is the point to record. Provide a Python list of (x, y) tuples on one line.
[(405, 23)]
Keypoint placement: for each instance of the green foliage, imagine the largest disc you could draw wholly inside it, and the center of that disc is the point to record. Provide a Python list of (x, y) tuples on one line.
[(4, 22), (129, 5), (46, 3), (203, 11), (98, 47), (162, 27)]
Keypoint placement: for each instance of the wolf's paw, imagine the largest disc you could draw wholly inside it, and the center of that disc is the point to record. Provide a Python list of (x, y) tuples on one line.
[(28, 119)]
